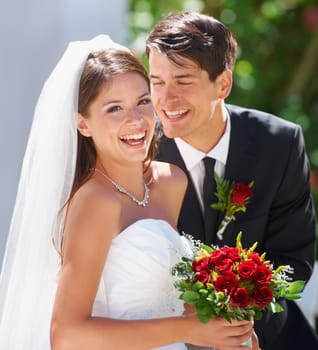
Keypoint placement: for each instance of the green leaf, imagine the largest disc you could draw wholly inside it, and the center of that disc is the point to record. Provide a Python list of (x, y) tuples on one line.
[(295, 287), (204, 311), (274, 307), (203, 318), (251, 184), (251, 250), (203, 292), (197, 286), (239, 238), (258, 314), (190, 297), (207, 248), (185, 284), (226, 316), (218, 206), (293, 296)]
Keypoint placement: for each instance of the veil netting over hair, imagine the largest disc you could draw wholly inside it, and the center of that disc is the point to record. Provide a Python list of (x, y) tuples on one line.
[(31, 264)]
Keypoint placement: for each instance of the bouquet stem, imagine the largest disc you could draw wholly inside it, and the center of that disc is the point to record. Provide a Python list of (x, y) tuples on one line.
[(247, 343), (224, 223)]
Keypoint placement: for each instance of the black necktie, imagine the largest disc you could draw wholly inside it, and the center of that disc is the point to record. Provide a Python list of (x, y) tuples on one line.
[(209, 187)]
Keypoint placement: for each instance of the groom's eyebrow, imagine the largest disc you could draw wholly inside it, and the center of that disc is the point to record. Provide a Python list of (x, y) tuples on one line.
[(152, 76), (178, 76)]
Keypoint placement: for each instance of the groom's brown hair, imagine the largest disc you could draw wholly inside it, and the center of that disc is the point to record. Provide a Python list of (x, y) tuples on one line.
[(195, 36)]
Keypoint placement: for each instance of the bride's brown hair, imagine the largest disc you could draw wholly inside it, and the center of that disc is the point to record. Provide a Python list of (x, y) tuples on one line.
[(98, 70)]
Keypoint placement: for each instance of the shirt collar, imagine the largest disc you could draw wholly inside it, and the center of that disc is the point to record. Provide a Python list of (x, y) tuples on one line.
[(219, 152)]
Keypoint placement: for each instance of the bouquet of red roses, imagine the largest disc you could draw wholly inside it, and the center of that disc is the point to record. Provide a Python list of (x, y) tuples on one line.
[(232, 282)]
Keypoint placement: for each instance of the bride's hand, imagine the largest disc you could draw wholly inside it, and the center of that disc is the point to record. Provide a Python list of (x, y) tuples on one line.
[(255, 344), (219, 333)]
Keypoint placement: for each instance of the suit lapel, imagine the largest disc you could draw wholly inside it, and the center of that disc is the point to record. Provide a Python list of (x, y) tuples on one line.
[(242, 152), (190, 219)]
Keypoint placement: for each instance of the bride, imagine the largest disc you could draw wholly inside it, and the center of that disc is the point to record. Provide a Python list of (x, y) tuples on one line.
[(92, 238)]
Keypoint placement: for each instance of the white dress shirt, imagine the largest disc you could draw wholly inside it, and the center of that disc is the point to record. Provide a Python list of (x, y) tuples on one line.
[(193, 159)]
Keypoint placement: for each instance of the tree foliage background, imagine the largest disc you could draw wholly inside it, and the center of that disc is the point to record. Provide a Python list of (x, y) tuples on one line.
[(277, 63)]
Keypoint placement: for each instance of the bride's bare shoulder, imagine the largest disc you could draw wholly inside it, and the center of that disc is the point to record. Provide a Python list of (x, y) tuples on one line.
[(162, 171), (95, 200)]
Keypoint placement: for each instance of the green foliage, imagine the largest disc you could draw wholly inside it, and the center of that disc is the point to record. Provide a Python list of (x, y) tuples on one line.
[(223, 193), (292, 291), (215, 294), (277, 59), (274, 308)]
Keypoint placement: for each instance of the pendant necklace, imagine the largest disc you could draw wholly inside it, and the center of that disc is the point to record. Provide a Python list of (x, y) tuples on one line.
[(119, 188)]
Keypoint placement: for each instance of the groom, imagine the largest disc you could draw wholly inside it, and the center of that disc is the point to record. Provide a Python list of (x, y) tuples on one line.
[(191, 58)]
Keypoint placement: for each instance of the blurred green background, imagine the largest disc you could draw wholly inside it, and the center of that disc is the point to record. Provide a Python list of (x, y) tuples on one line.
[(277, 63)]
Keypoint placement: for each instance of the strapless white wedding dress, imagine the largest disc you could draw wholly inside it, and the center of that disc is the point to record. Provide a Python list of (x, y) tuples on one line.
[(137, 282)]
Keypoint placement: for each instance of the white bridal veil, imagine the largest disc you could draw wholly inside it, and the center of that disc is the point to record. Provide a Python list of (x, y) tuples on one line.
[(31, 264)]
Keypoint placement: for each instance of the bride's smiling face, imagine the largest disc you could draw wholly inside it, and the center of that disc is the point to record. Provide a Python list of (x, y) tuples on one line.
[(121, 118)]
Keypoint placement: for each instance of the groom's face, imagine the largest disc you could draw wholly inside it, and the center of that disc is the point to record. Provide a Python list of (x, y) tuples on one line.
[(183, 96)]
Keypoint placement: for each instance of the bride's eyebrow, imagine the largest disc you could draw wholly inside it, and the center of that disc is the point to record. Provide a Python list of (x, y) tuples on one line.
[(112, 102), (144, 95), (147, 93)]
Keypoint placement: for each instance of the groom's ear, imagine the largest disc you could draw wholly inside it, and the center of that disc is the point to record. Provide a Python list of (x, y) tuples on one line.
[(82, 125), (224, 83)]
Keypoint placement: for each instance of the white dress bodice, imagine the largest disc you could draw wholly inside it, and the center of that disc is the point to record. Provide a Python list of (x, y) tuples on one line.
[(136, 281)]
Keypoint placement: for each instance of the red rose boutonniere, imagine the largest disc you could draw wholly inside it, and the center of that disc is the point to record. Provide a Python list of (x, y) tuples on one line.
[(233, 198)]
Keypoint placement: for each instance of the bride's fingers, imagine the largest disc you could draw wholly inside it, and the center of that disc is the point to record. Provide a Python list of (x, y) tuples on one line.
[(241, 329), (255, 343), (237, 347), (234, 342), (241, 323)]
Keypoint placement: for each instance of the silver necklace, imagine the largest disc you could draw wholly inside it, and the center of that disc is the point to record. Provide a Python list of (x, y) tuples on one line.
[(119, 188)]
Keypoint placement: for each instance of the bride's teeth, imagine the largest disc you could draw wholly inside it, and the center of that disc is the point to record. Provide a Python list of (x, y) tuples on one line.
[(133, 136), (175, 113)]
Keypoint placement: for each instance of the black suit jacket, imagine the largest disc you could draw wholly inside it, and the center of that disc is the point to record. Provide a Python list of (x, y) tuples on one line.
[(280, 215)]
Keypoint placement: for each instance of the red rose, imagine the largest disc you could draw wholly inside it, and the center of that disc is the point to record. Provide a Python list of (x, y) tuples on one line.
[(232, 253), (262, 275), (246, 269), (241, 193), (203, 277), (226, 281), (262, 297), (224, 265), (201, 264), (256, 257), (240, 297), (216, 256)]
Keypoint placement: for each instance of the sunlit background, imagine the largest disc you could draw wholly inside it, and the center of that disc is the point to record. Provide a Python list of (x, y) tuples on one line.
[(276, 68)]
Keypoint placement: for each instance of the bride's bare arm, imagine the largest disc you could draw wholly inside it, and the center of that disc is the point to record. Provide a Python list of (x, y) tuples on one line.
[(92, 221)]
